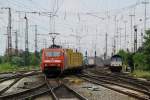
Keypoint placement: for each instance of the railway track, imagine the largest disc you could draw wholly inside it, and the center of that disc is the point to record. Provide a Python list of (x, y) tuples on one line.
[(62, 91), (21, 71), (23, 91), (141, 92), (128, 83), (4, 75), (9, 86), (19, 75), (26, 94), (125, 78), (53, 87), (57, 89)]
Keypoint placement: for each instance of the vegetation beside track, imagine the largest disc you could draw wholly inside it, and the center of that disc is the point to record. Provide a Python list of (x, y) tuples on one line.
[(139, 61), (19, 62), (141, 74), (7, 67)]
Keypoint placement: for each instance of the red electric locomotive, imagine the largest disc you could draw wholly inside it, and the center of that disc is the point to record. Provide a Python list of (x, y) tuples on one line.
[(57, 60), (52, 61)]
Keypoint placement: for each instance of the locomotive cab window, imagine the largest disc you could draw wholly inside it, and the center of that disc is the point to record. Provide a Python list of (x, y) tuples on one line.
[(119, 59), (113, 59), (53, 54)]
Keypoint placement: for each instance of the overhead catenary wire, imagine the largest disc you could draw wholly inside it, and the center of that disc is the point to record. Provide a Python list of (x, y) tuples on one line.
[(64, 24)]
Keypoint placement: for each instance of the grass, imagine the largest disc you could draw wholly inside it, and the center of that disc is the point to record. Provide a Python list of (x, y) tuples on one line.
[(6, 67), (141, 74)]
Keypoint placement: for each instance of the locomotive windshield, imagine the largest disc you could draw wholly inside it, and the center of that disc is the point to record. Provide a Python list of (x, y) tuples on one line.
[(116, 59), (53, 54)]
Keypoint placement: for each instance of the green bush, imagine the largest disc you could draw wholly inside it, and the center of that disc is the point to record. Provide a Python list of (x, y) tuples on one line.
[(141, 74), (146, 50), (34, 60), (124, 55), (6, 67), (5, 59), (1, 59), (139, 61), (18, 61)]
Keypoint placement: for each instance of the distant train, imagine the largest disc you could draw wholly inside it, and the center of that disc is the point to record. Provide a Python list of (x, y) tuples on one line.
[(116, 63), (93, 61), (57, 60)]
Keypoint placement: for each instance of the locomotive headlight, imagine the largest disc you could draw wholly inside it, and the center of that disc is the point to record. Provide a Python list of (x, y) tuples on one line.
[(45, 64), (58, 64), (57, 61), (46, 61)]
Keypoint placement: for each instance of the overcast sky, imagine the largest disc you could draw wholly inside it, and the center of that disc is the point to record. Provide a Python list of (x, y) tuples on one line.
[(88, 19)]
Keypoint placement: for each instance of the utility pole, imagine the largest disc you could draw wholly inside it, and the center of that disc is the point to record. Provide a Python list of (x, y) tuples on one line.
[(9, 38), (120, 29), (44, 43), (114, 46), (19, 25), (16, 42), (26, 34), (36, 55), (145, 13), (95, 54), (26, 40), (131, 27), (141, 37), (106, 37), (9, 33), (117, 36), (36, 46), (125, 34), (114, 51), (135, 38)]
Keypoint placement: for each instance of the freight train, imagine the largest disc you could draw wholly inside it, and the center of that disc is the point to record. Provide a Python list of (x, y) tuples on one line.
[(116, 63), (58, 60)]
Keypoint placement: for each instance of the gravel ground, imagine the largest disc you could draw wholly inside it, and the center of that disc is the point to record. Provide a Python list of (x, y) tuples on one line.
[(44, 97), (63, 93), (95, 92)]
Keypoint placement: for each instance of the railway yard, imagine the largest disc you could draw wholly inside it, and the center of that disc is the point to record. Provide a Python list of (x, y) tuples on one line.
[(92, 84), (74, 50)]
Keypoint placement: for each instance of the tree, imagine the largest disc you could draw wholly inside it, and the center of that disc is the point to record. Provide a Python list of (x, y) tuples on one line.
[(139, 61), (127, 58), (35, 60), (1, 59), (124, 56), (146, 51), (18, 61)]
